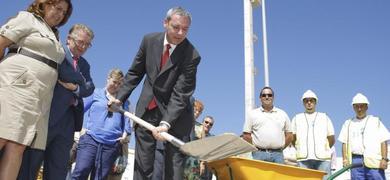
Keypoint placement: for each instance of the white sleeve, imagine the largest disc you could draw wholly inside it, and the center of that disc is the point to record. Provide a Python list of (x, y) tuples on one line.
[(293, 125), (288, 123), (248, 123), (17, 27), (330, 126), (343, 137), (383, 132)]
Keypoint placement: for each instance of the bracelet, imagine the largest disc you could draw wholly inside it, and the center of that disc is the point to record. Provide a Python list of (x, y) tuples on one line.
[(386, 159)]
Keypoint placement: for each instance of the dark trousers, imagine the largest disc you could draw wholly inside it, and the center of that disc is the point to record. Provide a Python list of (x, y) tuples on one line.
[(55, 157), (32, 161), (145, 152), (95, 158), (159, 161)]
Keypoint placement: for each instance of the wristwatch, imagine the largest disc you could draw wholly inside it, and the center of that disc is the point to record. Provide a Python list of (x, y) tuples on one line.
[(386, 159), (164, 124)]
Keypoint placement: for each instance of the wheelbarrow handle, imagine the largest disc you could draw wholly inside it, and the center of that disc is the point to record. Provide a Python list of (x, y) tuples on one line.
[(172, 139)]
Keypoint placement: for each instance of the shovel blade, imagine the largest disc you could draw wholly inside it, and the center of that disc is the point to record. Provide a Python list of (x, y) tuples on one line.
[(217, 147)]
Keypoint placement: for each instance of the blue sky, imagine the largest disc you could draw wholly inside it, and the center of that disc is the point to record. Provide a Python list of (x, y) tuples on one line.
[(335, 47)]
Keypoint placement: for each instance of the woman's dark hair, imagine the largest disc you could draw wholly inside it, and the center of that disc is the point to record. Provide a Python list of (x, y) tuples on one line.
[(37, 8)]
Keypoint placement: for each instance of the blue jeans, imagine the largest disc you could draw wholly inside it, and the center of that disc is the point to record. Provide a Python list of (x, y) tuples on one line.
[(365, 172), (317, 165), (270, 156)]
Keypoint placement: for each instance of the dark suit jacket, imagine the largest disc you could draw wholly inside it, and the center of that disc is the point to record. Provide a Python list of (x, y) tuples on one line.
[(62, 97), (172, 86)]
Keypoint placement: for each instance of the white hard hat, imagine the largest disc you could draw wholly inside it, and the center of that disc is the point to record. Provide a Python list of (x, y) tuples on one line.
[(309, 94), (359, 98)]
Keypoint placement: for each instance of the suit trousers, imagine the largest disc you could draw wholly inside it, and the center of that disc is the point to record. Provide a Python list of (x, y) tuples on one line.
[(145, 152), (159, 161), (55, 156)]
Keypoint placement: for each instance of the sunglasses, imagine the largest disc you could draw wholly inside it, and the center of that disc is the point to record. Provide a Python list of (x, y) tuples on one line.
[(209, 123), (309, 100), (265, 95)]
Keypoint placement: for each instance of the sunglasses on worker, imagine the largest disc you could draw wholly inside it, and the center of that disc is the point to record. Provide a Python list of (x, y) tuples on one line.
[(267, 95)]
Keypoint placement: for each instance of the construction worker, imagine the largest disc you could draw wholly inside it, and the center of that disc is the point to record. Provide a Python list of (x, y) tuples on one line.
[(364, 142), (313, 136)]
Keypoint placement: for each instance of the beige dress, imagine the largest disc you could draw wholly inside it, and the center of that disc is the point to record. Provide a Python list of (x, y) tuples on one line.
[(26, 85)]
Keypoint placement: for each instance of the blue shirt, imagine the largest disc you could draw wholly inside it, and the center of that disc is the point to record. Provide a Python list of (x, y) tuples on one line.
[(104, 128)]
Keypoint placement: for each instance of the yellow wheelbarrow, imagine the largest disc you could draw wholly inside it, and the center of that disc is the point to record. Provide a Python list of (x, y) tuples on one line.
[(236, 168)]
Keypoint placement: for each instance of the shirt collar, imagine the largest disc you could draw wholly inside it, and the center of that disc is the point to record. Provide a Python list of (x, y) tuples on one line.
[(70, 52), (108, 96), (272, 110), (173, 46)]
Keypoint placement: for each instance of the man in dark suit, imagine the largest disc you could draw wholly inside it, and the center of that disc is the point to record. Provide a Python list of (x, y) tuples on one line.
[(165, 97), (66, 113)]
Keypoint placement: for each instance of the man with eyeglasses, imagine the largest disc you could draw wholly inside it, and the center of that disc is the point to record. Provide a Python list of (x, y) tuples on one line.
[(67, 108), (196, 169), (208, 122), (313, 136), (268, 128)]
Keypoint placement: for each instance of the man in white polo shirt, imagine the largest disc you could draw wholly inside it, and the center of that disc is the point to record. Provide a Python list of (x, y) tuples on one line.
[(268, 128), (313, 136)]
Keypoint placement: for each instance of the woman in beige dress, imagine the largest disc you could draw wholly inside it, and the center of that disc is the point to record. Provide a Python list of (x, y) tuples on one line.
[(28, 73)]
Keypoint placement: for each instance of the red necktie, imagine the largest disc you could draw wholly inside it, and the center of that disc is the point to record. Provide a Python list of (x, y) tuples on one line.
[(75, 61), (164, 59), (165, 56)]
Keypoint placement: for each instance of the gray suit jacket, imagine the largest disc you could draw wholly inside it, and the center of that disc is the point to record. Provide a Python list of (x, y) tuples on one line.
[(172, 86)]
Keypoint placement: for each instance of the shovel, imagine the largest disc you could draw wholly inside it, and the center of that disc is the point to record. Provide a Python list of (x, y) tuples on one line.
[(206, 149)]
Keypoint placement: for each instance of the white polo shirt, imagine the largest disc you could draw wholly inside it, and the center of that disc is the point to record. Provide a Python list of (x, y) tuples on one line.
[(268, 128)]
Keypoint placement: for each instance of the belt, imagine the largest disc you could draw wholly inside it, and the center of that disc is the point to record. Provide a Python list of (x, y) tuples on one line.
[(37, 57), (357, 155), (269, 150)]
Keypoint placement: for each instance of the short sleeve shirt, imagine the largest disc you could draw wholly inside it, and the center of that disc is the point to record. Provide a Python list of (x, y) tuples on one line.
[(356, 128), (268, 128), (31, 32)]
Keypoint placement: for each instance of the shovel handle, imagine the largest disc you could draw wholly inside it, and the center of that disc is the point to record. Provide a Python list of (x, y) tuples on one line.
[(176, 142)]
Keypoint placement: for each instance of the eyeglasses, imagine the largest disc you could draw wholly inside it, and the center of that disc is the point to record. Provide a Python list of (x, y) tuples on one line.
[(265, 95), (80, 43), (306, 100), (209, 123)]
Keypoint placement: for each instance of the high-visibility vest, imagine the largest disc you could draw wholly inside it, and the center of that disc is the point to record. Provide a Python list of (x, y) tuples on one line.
[(371, 142), (322, 150)]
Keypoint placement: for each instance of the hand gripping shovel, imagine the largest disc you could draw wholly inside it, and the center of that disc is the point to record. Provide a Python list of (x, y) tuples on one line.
[(207, 149)]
